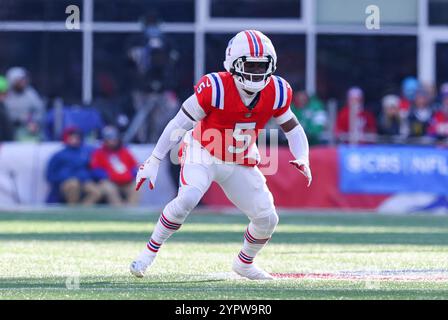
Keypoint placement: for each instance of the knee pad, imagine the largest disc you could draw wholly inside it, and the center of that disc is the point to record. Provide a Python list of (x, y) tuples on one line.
[(179, 208), (263, 227)]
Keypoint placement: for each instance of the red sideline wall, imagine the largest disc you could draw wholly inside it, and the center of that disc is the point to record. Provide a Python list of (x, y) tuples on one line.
[(289, 186)]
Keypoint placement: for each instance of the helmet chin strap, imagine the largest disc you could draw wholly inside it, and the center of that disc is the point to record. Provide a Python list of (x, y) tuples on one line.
[(241, 87), (248, 90), (247, 96)]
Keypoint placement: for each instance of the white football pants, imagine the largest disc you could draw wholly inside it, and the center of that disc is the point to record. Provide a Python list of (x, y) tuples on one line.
[(244, 186)]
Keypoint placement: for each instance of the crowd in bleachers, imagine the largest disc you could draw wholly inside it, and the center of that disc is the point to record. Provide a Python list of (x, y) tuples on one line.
[(416, 115), (418, 111)]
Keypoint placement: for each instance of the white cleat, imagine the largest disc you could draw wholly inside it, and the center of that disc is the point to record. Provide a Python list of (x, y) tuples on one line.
[(250, 271), (142, 263)]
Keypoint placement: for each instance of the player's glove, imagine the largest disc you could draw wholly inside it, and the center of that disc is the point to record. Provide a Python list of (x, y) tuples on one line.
[(304, 168), (148, 170)]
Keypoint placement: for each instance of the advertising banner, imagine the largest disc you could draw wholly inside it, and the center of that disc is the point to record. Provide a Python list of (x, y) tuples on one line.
[(393, 169)]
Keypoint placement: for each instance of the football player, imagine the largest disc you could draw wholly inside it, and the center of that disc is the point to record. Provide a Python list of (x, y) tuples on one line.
[(219, 124)]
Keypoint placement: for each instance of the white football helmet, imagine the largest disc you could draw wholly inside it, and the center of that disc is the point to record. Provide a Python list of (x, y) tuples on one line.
[(250, 46)]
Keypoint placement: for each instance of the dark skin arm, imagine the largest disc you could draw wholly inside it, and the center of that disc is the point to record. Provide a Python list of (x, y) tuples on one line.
[(286, 127), (289, 125)]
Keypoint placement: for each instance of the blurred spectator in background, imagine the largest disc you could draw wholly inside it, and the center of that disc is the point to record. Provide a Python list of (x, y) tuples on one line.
[(153, 39), (25, 107), (409, 87), (114, 103), (87, 119), (438, 126), (353, 121), (432, 94), (310, 112), (443, 89), (420, 114), (6, 132), (115, 167), (155, 81), (69, 173), (391, 123)]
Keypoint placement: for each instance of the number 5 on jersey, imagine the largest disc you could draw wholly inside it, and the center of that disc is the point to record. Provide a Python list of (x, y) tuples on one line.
[(240, 136)]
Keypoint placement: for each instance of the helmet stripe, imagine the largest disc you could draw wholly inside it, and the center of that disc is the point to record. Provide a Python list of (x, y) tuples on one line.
[(255, 43), (251, 44), (260, 44)]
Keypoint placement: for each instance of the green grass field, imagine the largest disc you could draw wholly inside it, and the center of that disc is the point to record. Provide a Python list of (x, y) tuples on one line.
[(333, 256)]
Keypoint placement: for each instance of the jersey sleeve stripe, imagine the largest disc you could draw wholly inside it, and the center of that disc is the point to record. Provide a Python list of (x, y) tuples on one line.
[(276, 92), (221, 84), (219, 98), (212, 81), (280, 93), (285, 93), (216, 92)]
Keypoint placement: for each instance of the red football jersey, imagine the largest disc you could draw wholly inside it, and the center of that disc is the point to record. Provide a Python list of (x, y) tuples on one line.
[(230, 128), (118, 164), (439, 125)]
